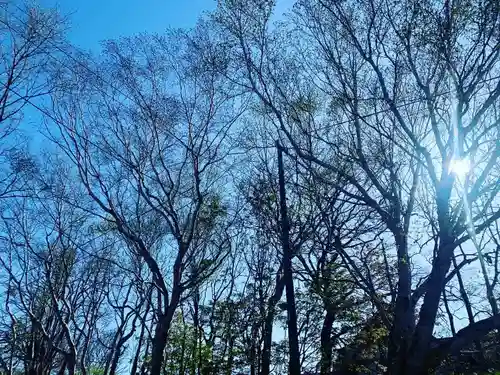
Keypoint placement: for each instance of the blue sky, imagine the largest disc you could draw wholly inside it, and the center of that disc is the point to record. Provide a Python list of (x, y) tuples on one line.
[(92, 21)]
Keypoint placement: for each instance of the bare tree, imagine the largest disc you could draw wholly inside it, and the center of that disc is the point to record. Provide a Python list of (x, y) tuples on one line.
[(410, 105), (56, 292), (168, 230), (148, 149), (30, 36)]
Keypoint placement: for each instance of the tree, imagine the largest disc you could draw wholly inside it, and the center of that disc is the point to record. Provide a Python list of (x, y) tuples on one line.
[(148, 151), (313, 195), (55, 293), (30, 36), (396, 128)]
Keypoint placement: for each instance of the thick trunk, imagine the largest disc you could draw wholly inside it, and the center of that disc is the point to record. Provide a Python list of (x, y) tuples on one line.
[(404, 320), (326, 343), (29, 365), (230, 358), (259, 358), (159, 344), (71, 364), (441, 264), (31, 370), (266, 352), (427, 317), (161, 335), (253, 361)]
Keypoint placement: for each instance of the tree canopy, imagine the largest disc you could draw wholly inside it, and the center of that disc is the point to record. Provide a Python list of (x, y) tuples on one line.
[(315, 192)]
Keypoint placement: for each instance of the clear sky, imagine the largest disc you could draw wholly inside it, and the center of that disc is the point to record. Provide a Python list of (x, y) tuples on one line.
[(92, 21)]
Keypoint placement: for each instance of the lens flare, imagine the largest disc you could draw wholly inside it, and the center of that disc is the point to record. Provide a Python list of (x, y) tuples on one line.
[(460, 167)]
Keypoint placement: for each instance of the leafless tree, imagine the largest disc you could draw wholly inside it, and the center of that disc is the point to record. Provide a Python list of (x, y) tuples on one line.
[(29, 36), (148, 148), (56, 291), (404, 95)]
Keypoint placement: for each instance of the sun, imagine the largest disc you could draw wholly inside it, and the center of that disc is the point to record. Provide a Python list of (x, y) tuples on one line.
[(460, 167)]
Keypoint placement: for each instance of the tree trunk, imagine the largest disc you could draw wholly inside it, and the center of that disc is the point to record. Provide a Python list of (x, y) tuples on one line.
[(71, 364), (144, 364), (326, 343), (253, 359), (159, 344), (182, 365), (114, 363), (293, 335), (111, 354), (428, 312), (161, 335), (83, 355), (62, 369), (252, 362), (404, 321), (196, 363), (449, 313), (230, 358), (468, 308), (119, 348), (133, 370), (268, 326)]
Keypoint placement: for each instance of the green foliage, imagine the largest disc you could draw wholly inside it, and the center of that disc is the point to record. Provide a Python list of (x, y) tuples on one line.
[(211, 211), (93, 370), (306, 104), (185, 350), (96, 371)]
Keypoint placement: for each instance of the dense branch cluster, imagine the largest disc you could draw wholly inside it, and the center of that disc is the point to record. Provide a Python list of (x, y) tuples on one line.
[(315, 192)]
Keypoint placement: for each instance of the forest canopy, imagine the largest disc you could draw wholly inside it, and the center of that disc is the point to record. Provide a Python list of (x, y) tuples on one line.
[(315, 192)]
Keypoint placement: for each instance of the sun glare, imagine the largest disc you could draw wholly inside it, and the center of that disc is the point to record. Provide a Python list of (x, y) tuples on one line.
[(460, 167)]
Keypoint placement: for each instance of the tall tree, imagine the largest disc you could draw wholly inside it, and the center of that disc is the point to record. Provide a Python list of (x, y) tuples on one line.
[(148, 149), (395, 121)]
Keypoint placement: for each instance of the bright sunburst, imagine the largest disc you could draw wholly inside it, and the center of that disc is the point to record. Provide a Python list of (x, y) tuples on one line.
[(460, 167)]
